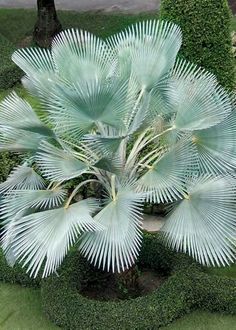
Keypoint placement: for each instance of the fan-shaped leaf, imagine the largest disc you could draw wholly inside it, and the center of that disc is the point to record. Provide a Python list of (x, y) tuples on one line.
[(49, 235), (165, 181), (204, 223), (19, 200), (197, 99), (22, 177), (19, 140), (34, 60), (105, 145), (81, 56), (147, 50), (79, 108), (17, 113), (216, 146), (57, 164), (116, 247)]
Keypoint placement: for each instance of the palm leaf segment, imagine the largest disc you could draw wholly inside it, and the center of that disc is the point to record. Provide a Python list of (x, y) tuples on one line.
[(16, 201), (57, 164), (49, 234), (165, 180), (135, 120), (216, 146), (22, 177), (197, 99), (21, 129), (204, 223), (116, 248)]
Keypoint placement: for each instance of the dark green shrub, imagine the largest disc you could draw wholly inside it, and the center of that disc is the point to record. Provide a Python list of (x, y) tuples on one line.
[(216, 293), (7, 162), (183, 291), (206, 34), (16, 274), (9, 72), (64, 304)]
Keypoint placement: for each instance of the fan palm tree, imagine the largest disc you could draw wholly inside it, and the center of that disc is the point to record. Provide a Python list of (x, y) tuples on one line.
[(126, 114)]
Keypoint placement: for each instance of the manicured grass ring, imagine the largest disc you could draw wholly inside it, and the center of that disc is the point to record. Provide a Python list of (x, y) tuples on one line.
[(186, 288)]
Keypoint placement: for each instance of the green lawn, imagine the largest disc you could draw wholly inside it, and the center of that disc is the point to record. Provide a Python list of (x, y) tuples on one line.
[(204, 321), (223, 271), (16, 24), (20, 309)]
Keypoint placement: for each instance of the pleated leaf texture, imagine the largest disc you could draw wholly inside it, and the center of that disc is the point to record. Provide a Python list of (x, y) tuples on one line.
[(129, 122)]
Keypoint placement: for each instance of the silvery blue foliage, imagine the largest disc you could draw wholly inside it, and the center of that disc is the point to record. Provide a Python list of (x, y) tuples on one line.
[(136, 120)]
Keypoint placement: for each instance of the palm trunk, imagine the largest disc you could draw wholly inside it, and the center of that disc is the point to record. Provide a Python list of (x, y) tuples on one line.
[(127, 281), (47, 25)]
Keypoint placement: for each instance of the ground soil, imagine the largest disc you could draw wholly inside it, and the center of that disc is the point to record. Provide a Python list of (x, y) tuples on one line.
[(107, 288)]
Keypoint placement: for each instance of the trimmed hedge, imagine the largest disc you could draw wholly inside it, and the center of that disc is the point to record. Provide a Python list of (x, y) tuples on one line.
[(187, 288), (16, 274), (206, 34), (9, 72), (216, 294)]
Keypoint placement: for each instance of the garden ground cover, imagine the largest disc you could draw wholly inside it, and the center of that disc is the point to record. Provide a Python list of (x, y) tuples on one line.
[(20, 309), (17, 24)]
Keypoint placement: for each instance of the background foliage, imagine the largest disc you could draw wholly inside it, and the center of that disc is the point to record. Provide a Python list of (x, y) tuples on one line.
[(206, 34)]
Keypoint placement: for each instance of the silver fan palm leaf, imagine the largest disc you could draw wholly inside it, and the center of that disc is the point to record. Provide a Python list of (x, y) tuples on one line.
[(22, 177), (17, 201), (116, 247), (49, 234), (198, 100), (204, 222)]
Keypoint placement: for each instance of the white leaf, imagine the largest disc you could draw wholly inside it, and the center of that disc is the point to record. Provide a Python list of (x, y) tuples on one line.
[(204, 223), (22, 177), (48, 235), (116, 248)]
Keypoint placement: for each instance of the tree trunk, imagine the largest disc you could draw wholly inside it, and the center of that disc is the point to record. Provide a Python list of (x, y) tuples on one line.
[(47, 25)]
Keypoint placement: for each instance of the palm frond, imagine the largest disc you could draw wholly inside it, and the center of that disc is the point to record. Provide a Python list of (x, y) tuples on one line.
[(103, 145), (216, 146), (22, 177), (41, 72), (80, 56), (147, 50), (165, 180), (109, 164), (204, 223), (19, 140), (198, 100), (17, 113), (57, 164), (116, 247), (34, 60), (48, 235), (17, 201), (80, 108)]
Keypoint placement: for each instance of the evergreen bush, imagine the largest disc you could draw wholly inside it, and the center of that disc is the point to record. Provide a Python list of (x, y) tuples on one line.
[(206, 34)]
